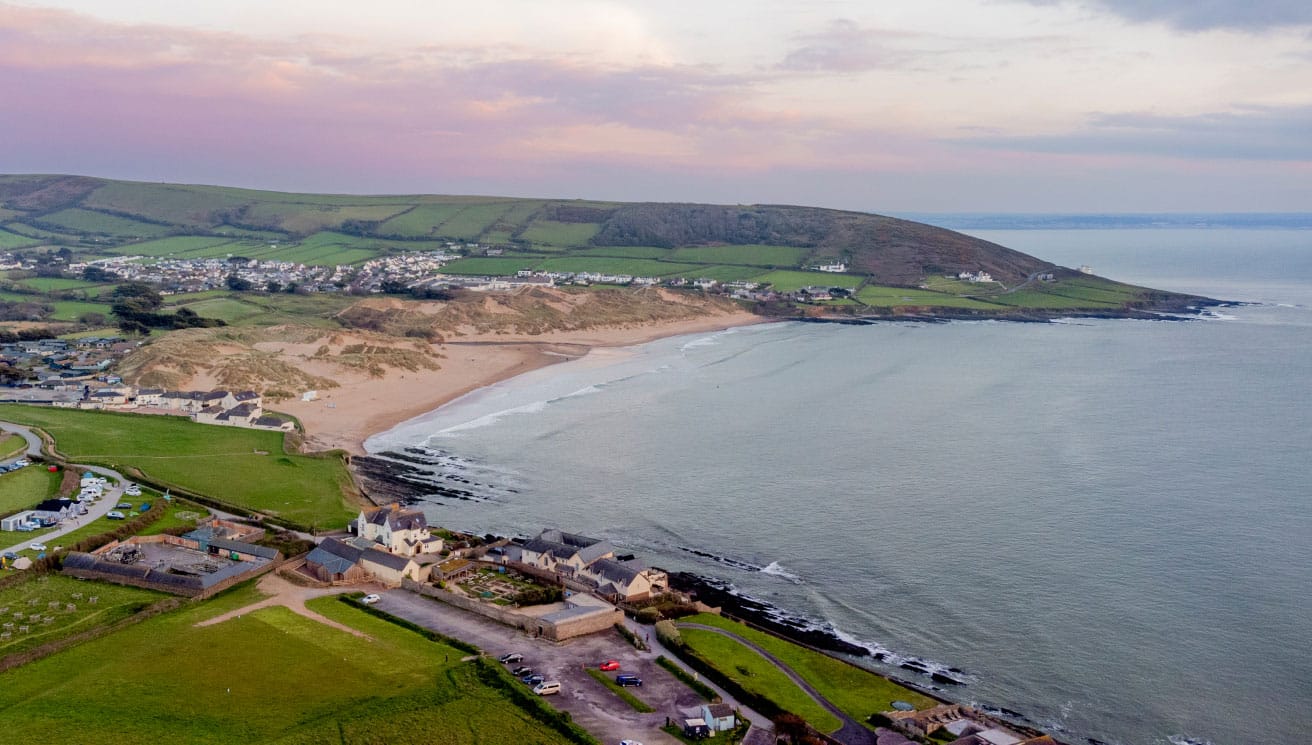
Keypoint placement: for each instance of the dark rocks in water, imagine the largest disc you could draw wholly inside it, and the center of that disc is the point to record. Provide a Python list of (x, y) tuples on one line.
[(761, 614), (947, 679), (391, 477)]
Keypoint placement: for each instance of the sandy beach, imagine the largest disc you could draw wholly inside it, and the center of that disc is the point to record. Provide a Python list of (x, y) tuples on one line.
[(343, 417)]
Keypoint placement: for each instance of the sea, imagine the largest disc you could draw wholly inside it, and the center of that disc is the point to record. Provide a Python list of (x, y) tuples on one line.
[(1105, 525)]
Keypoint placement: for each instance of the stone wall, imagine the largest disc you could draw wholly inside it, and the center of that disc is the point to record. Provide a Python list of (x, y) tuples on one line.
[(531, 625)]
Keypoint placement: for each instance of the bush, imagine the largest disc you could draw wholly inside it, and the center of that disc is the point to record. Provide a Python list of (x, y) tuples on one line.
[(648, 615), (631, 637)]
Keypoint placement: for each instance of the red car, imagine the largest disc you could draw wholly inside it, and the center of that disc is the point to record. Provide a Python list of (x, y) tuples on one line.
[(609, 665)]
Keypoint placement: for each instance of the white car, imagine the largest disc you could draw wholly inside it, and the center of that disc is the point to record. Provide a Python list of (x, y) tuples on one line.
[(38, 547), (115, 515), (370, 599), (630, 742)]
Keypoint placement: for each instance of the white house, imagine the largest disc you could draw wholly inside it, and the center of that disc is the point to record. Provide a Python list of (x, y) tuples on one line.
[(402, 532), (837, 267)]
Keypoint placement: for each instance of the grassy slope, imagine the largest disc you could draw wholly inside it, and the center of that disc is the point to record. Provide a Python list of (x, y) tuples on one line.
[(699, 240), (24, 488), (267, 676), (220, 462), (757, 674), (857, 692)]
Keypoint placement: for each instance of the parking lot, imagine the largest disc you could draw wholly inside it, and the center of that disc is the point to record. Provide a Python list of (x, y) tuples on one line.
[(592, 705)]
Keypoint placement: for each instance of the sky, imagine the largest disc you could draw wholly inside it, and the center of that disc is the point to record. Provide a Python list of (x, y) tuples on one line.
[(888, 106)]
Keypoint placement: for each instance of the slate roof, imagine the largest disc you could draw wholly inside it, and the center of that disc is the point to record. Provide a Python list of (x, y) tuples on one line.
[(333, 555), (391, 561), (246, 396), (269, 421), (263, 552), (53, 505), (397, 519), (243, 410), (620, 573)]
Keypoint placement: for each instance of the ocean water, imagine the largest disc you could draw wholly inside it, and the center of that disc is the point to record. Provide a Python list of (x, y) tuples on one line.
[(1105, 524)]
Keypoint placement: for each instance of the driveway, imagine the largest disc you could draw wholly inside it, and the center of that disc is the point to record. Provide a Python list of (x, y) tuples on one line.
[(593, 706)]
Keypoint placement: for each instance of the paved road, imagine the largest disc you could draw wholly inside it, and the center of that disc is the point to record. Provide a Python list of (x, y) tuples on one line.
[(852, 732), (95, 510)]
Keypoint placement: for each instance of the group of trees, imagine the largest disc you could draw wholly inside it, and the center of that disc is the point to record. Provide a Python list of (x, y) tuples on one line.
[(137, 306)]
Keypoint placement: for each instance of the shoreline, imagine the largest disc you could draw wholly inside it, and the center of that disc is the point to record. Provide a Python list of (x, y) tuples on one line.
[(346, 416)]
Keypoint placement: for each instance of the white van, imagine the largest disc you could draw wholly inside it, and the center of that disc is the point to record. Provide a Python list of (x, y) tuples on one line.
[(547, 687)]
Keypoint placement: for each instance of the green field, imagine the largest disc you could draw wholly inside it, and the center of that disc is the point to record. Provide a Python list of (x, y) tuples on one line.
[(892, 297), (11, 446), (627, 252), (561, 233), (758, 675), (420, 222), (786, 281), (473, 220), (720, 273), (71, 310), (492, 266), (173, 245), (228, 309), (768, 256), (240, 467), (269, 677), (305, 218), (24, 488), (54, 284), (634, 267), (33, 597), (858, 692), (87, 221), (1040, 299), (10, 241)]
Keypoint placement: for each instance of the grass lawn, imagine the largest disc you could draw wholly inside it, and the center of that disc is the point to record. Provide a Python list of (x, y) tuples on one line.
[(24, 488), (1044, 299), (786, 281), (624, 693), (28, 604), (757, 674), (241, 467), (268, 676), (179, 513), (420, 221), (11, 446), (627, 252), (228, 309), (856, 691), (490, 266), (634, 267)]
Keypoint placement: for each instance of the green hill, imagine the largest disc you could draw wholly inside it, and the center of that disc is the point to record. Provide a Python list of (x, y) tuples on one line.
[(722, 242)]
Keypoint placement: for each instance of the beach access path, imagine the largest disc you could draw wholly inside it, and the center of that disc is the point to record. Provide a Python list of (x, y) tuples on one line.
[(95, 511), (852, 732)]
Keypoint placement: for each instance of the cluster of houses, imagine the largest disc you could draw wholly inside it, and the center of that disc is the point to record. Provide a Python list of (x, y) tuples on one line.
[(224, 408), (978, 276), (198, 275), (388, 544), (589, 564), (52, 363)]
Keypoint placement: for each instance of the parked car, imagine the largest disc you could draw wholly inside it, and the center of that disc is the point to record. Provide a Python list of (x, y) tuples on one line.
[(115, 515), (521, 671), (10, 555), (370, 599), (630, 742), (37, 546), (510, 657), (547, 687), (628, 680), (124, 505), (609, 665), (533, 679)]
